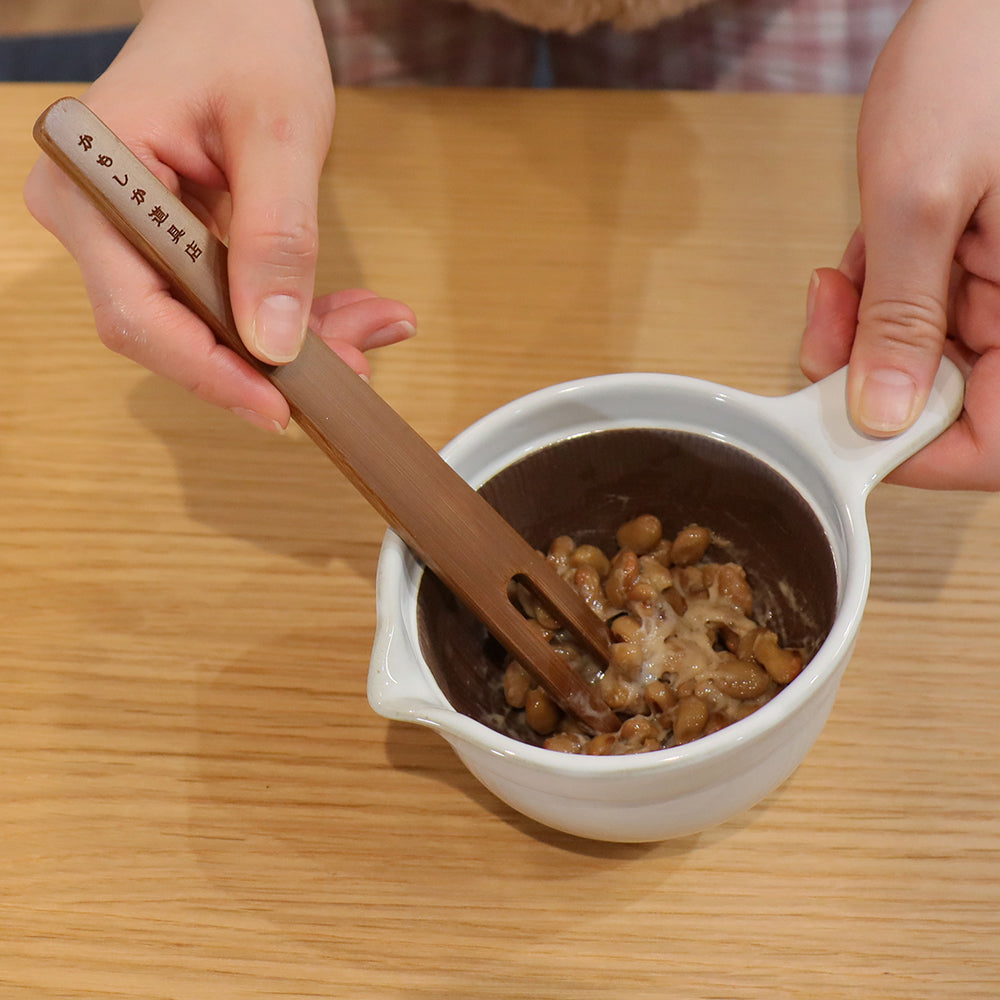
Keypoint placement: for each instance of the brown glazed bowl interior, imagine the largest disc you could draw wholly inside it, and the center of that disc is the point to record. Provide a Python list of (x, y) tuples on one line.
[(586, 486)]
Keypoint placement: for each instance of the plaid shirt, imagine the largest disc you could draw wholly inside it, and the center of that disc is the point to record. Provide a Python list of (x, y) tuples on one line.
[(787, 45)]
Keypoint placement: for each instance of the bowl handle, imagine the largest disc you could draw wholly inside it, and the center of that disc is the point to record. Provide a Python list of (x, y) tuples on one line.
[(818, 416)]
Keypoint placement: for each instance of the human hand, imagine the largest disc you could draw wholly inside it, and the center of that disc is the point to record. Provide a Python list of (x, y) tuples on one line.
[(229, 103), (922, 273)]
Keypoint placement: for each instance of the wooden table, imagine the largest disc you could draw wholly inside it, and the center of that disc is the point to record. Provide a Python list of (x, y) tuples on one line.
[(196, 800)]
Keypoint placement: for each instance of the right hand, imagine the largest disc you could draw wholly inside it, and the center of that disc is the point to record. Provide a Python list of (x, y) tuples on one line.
[(230, 103)]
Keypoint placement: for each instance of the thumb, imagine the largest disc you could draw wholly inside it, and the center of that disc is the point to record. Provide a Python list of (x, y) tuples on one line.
[(273, 241), (902, 317)]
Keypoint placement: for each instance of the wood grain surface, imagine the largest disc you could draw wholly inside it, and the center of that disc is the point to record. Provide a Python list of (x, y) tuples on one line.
[(195, 798)]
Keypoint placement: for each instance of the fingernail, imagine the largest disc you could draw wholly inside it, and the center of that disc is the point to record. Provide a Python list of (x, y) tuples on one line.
[(258, 419), (811, 296), (886, 402), (278, 329), (391, 334)]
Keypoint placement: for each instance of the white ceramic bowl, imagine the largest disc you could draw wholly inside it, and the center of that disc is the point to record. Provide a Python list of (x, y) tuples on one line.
[(815, 455)]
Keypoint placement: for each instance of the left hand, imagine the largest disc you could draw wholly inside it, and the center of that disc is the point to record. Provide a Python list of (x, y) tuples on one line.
[(921, 276)]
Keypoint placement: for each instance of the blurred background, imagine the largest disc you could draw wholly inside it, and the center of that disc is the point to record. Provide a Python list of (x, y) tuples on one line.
[(62, 40)]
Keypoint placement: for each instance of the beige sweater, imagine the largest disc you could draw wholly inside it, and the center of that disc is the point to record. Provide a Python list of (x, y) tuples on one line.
[(576, 15)]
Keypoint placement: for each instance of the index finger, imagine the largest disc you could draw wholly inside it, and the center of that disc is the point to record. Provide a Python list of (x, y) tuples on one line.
[(967, 455)]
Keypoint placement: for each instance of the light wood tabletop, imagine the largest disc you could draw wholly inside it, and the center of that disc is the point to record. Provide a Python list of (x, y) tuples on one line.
[(196, 800)]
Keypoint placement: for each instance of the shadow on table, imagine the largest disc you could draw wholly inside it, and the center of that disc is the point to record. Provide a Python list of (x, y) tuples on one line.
[(414, 750), (916, 536), (308, 812), (284, 787), (278, 492)]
